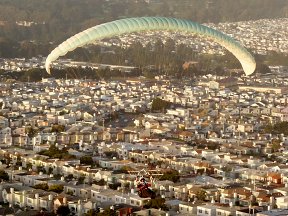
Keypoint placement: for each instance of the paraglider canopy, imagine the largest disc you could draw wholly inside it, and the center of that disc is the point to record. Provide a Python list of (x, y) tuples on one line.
[(139, 24)]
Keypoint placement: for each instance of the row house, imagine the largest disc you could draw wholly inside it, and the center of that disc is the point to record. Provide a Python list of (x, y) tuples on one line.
[(114, 165), (36, 199), (82, 191)]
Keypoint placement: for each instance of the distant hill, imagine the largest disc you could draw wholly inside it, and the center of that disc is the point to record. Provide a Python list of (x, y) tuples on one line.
[(55, 20)]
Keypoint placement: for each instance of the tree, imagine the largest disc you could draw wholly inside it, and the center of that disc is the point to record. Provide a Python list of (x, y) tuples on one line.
[(31, 131), (107, 212), (58, 128), (69, 177), (276, 145), (278, 128), (101, 182), (4, 175), (158, 203), (159, 104), (124, 169), (115, 185), (81, 180), (42, 186), (29, 165), (171, 175), (111, 154), (70, 193), (262, 68), (19, 162), (201, 195), (63, 210), (50, 170), (87, 160), (41, 169), (56, 188), (55, 152), (92, 212)]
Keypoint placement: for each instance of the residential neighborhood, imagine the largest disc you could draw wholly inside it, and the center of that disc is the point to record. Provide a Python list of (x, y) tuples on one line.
[(220, 147), (261, 36)]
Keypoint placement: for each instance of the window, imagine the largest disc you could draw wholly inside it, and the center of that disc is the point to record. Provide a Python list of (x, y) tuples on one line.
[(219, 213), (200, 210), (206, 212)]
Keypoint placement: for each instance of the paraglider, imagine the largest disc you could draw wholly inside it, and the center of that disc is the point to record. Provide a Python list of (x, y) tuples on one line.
[(144, 188), (130, 25), (143, 185)]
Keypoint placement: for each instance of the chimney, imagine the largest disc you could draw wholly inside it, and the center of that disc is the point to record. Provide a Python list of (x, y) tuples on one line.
[(50, 197), (12, 195), (37, 201), (24, 197), (79, 208), (235, 195)]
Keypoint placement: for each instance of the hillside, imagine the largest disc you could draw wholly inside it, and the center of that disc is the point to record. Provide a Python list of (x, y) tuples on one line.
[(55, 20)]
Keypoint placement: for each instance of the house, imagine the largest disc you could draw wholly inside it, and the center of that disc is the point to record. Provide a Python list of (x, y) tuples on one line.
[(188, 208), (106, 195), (75, 205), (115, 165), (151, 212), (247, 211), (245, 128), (273, 212), (5, 136), (19, 131), (274, 178), (206, 210), (151, 124), (4, 122), (226, 210), (36, 199), (233, 195), (282, 202), (5, 189), (83, 191), (135, 200), (102, 175), (186, 135)]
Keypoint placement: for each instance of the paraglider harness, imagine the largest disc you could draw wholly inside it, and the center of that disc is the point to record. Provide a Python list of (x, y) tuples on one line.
[(142, 183), (144, 188)]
